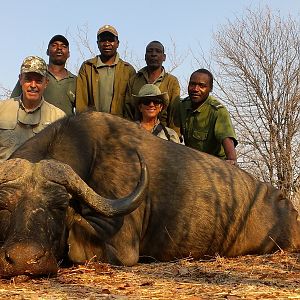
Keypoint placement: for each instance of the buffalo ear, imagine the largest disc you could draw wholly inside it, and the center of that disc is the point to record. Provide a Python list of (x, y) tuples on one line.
[(88, 235), (92, 224)]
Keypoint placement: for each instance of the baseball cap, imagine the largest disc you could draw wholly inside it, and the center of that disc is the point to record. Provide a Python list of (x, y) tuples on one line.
[(108, 28), (59, 38), (34, 64)]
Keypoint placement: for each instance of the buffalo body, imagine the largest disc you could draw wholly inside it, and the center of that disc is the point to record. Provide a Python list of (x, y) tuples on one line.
[(191, 204)]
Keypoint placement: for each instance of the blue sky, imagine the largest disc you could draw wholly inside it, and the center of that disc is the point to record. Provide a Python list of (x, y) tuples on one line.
[(27, 26)]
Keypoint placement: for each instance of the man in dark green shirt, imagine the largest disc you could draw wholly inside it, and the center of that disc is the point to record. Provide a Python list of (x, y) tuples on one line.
[(205, 123), (62, 83)]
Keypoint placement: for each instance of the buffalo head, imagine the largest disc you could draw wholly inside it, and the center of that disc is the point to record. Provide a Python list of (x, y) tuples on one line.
[(34, 204)]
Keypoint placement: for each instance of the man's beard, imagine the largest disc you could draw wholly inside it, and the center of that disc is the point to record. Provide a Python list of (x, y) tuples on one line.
[(58, 62)]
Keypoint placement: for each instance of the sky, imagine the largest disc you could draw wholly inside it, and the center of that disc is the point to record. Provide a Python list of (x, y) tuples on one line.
[(26, 28)]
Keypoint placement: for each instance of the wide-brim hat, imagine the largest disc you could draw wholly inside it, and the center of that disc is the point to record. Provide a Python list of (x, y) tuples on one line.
[(152, 91)]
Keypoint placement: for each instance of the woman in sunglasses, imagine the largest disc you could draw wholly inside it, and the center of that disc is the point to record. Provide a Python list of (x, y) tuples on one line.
[(151, 102)]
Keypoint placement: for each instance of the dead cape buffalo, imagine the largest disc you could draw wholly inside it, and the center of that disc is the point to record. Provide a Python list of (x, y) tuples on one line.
[(80, 191)]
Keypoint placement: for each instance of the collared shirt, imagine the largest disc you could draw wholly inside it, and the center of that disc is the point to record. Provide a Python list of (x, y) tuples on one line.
[(158, 80), (206, 127), (28, 110), (60, 93), (29, 116), (18, 125), (106, 84)]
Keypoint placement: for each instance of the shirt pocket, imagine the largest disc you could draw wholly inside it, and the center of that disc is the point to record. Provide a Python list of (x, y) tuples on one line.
[(200, 135), (8, 136), (8, 142), (7, 124), (199, 140)]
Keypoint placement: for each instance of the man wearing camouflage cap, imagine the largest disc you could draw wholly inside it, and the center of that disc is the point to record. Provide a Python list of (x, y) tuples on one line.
[(61, 86), (24, 116), (102, 80)]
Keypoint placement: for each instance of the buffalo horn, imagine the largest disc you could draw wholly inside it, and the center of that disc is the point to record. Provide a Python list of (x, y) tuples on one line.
[(63, 174), (12, 169)]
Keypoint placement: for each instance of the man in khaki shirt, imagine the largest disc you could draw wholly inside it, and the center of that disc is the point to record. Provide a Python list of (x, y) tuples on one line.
[(24, 116)]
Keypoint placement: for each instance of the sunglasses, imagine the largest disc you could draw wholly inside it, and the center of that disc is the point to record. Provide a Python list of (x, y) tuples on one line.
[(147, 102)]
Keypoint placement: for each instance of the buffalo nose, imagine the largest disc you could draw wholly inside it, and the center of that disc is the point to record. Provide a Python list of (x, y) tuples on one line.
[(25, 258), (30, 254)]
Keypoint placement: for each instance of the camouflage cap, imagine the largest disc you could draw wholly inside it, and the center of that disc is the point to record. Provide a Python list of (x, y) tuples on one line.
[(34, 64), (108, 28)]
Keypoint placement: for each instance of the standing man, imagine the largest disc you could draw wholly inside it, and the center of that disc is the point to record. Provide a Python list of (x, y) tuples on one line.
[(205, 122), (24, 116), (154, 73), (62, 83), (102, 80)]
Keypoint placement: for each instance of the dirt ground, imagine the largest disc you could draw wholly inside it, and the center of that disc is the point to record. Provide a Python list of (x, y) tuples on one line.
[(273, 276)]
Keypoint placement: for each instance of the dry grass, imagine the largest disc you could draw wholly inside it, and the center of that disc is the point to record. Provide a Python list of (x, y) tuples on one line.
[(250, 277)]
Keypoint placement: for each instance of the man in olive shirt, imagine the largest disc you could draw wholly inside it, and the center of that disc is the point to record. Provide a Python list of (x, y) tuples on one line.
[(62, 83), (102, 80), (205, 122)]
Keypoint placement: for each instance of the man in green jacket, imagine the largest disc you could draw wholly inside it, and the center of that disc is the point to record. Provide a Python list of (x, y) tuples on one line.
[(205, 122), (153, 73), (102, 80)]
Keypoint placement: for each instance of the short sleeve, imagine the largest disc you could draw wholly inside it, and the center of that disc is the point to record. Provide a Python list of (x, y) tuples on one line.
[(224, 127)]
